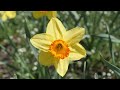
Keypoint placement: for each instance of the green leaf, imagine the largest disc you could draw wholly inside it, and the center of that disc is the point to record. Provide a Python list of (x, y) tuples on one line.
[(110, 44), (34, 50), (106, 37), (111, 66), (28, 36), (27, 30)]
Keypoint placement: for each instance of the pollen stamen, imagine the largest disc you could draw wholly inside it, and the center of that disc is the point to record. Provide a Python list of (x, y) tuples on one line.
[(59, 49)]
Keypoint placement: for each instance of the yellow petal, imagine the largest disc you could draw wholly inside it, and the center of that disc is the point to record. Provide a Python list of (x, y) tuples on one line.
[(61, 66), (55, 28), (77, 52), (42, 41), (4, 17), (74, 35), (11, 14), (46, 58), (51, 14), (37, 14)]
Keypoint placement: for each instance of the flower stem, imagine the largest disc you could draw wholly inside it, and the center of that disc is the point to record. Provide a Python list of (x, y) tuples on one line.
[(44, 25), (84, 70), (47, 73)]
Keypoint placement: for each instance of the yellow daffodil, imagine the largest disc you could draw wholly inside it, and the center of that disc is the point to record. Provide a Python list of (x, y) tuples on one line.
[(4, 15), (58, 47), (49, 14)]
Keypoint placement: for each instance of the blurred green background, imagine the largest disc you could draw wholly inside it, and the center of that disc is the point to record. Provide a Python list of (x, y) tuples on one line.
[(102, 42)]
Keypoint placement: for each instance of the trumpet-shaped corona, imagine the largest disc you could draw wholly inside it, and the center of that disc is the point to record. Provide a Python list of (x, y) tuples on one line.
[(59, 49)]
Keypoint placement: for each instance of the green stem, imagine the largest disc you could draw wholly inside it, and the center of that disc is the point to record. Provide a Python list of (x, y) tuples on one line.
[(47, 73), (84, 70), (44, 24)]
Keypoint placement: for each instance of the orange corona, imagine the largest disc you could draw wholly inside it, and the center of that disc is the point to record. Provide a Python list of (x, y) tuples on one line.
[(59, 49)]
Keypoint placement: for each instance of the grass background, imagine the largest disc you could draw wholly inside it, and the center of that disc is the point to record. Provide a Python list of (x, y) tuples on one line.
[(18, 58)]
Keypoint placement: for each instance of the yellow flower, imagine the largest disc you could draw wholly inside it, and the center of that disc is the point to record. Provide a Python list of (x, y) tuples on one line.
[(49, 14), (4, 15), (58, 47)]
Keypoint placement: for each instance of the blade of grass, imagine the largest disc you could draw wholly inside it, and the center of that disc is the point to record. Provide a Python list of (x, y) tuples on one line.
[(85, 22), (110, 45), (28, 36), (44, 23), (26, 29), (72, 15), (77, 22), (114, 19), (106, 37), (47, 73), (3, 48), (111, 66), (84, 70), (23, 64)]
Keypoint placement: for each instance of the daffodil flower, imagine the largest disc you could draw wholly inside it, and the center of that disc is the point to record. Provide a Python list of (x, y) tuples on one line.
[(49, 14), (58, 47), (4, 15)]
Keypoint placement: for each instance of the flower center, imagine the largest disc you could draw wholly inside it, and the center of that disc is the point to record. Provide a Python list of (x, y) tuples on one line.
[(59, 49)]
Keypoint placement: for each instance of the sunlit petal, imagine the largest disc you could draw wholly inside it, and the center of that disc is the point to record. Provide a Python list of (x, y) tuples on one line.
[(41, 41), (56, 28), (77, 52), (61, 66), (74, 35)]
